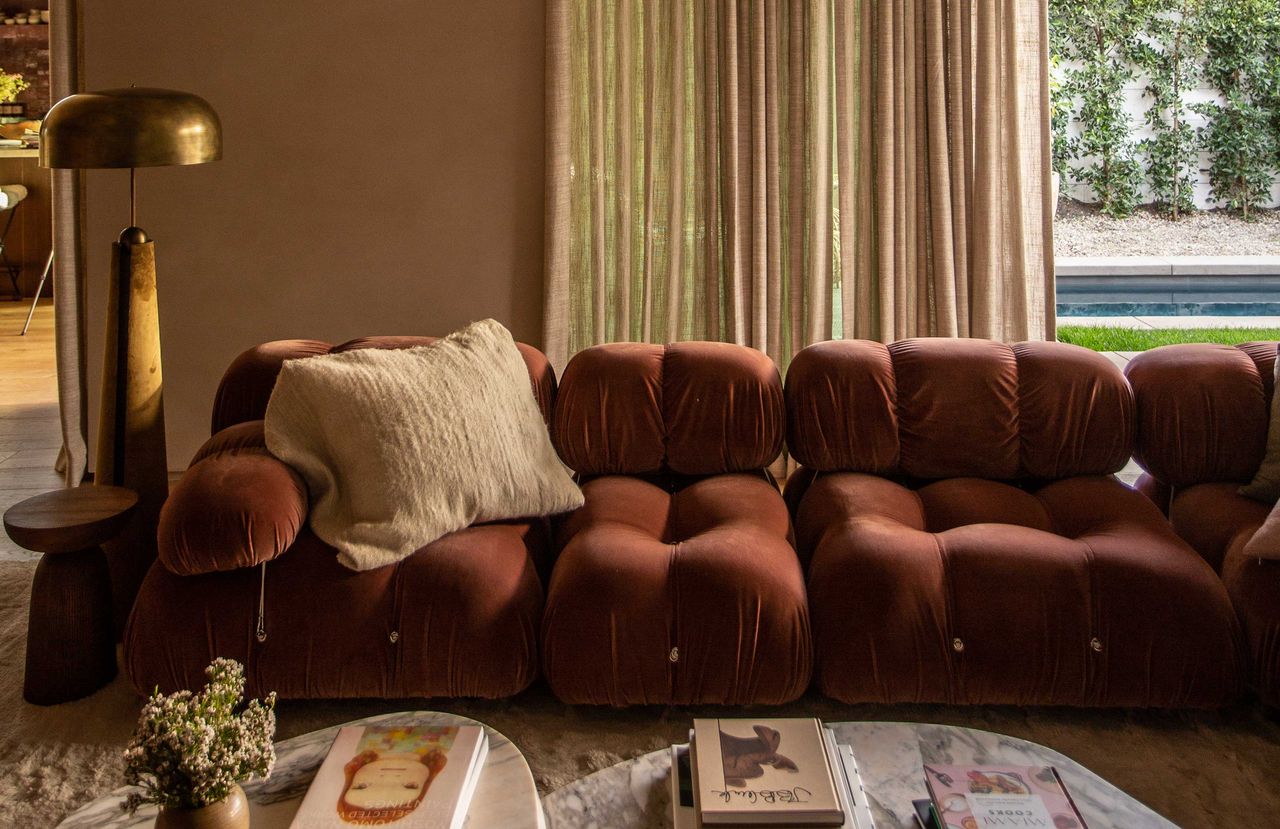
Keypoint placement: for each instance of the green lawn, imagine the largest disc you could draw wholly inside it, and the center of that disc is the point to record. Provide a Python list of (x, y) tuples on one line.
[(1139, 339)]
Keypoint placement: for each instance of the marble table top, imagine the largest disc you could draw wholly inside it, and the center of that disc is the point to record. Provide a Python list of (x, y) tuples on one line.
[(635, 795), (505, 796)]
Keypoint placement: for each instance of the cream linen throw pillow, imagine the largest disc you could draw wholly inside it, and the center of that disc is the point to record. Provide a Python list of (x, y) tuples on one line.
[(1265, 542), (401, 447)]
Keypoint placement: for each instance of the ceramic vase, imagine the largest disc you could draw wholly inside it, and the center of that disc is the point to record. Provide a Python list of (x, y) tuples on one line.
[(232, 812)]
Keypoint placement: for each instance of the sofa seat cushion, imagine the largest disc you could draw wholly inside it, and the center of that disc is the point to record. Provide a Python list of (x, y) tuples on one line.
[(973, 591), (1215, 516), (458, 618), (688, 597)]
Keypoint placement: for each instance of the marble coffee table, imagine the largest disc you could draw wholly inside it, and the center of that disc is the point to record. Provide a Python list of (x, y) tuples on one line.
[(634, 794), (505, 797)]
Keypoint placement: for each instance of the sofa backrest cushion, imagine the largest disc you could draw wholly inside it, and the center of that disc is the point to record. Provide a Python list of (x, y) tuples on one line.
[(935, 408), (247, 383), (694, 408), (1203, 411)]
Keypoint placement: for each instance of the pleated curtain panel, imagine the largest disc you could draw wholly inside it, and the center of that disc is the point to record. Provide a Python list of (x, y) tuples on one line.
[(779, 173), (65, 48)]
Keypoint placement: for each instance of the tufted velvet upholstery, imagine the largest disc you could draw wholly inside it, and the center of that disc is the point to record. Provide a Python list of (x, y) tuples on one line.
[(694, 408), (464, 611), (677, 581), (1203, 415), (964, 543), (940, 408)]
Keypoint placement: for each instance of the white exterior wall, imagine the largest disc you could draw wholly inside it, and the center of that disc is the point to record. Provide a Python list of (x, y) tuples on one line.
[(1137, 103)]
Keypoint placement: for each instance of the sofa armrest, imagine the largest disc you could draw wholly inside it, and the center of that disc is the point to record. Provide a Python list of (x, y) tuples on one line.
[(236, 506)]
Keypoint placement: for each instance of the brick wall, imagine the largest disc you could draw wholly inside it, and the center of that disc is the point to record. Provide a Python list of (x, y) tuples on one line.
[(25, 49)]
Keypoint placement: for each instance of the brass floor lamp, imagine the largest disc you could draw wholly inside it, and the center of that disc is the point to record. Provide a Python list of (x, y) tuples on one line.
[(132, 128)]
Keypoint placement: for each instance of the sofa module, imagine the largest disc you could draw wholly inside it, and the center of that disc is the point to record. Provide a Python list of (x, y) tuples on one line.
[(240, 575), (966, 542), (677, 581), (1203, 412)]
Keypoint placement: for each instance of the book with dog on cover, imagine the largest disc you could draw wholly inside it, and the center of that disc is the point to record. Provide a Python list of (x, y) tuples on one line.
[(414, 777), (1021, 797), (764, 772)]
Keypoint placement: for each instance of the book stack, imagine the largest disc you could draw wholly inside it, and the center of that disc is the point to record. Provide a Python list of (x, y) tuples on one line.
[(415, 777), (1014, 796), (781, 772)]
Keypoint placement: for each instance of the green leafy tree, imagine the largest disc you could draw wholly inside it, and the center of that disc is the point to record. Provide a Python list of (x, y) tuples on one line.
[(1172, 55), (1241, 133), (1060, 112)]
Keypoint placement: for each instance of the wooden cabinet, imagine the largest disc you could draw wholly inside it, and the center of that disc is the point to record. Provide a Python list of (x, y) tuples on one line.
[(31, 236)]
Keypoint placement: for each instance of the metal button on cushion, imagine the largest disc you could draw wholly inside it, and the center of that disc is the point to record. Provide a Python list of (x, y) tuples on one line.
[(674, 656), (1096, 644), (394, 637), (957, 645)]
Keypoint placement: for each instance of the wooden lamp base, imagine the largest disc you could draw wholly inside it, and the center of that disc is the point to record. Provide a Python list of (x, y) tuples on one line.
[(131, 441)]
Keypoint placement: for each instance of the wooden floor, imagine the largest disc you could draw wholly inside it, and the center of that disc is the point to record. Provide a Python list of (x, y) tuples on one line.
[(29, 432)]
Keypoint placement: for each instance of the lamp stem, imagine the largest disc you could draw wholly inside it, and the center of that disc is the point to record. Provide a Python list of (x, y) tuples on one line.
[(133, 197)]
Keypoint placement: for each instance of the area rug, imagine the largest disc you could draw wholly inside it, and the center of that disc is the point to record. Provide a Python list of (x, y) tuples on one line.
[(1202, 770)]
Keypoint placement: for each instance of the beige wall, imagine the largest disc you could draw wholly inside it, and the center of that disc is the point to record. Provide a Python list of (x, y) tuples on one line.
[(382, 173)]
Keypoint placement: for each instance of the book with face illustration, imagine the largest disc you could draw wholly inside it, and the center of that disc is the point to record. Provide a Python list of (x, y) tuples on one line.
[(416, 777), (768, 771)]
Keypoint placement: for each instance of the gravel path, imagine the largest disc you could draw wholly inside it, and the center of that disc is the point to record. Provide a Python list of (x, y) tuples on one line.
[(1080, 230)]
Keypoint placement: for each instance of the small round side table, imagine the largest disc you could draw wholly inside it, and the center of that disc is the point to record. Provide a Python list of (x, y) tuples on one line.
[(71, 646)]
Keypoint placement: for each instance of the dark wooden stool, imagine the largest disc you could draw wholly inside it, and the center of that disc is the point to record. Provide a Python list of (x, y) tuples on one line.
[(71, 643)]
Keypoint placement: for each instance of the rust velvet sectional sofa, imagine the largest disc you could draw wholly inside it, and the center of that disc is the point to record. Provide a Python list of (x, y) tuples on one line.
[(1203, 412), (955, 534)]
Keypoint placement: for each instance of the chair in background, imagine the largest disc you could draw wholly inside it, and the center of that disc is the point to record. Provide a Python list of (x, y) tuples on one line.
[(35, 300), (11, 195)]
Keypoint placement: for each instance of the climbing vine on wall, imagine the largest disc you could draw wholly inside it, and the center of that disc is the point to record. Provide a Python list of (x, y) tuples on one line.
[(1172, 55), (1099, 38), (1241, 133), (1101, 46)]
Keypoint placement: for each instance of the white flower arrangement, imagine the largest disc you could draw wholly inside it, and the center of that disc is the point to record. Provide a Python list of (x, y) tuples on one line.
[(191, 750)]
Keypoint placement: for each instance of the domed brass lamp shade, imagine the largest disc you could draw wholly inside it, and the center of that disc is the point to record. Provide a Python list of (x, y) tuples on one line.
[(131, 128), (134, 127)]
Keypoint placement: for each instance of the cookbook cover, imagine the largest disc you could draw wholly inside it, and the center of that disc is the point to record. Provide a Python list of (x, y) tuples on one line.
[(984, 797), (411, 777)]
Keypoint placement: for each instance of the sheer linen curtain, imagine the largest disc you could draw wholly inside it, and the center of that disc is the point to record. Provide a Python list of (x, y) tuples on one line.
[(777, 173), (954, 236), (691, 173), (68, 271)]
